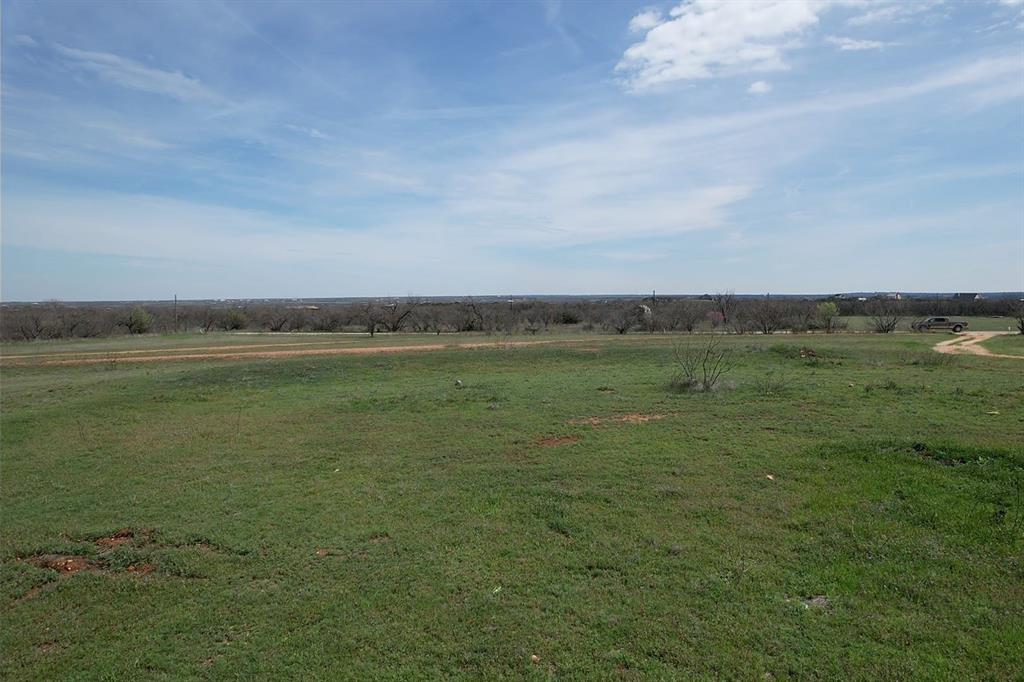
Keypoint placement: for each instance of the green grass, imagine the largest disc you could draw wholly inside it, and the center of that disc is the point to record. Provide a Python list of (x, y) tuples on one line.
[(1010, 344), (454, 544), (974, 324)]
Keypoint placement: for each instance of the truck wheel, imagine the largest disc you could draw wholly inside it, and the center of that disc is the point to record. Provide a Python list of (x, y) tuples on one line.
[(957, 329)]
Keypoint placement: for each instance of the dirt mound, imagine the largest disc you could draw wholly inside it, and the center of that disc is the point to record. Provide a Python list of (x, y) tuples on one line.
[(121, 537), (65, 564)]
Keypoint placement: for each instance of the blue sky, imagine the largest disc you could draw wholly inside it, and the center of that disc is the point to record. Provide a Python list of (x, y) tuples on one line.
[(222, 149)]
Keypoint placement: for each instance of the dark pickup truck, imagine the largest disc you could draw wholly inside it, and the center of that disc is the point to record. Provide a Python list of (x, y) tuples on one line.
[(939, 323)]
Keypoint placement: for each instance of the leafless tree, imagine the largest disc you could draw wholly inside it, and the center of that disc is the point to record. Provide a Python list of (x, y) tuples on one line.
[(725, 303), (767, 315), (885, 315), (395, 315), (274, 318), (622, 318), (1018, 315), (699, 366)]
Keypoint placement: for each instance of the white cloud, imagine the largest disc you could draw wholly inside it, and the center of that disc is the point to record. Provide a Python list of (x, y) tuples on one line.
[(135, 76), (26, 40), (894, 12), (703, 38), (759, 87), (645, 21), (315, 133), (853, 44)]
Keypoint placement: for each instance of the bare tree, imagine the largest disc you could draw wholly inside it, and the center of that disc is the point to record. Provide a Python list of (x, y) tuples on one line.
[(885, 315), (725, 303), (767, 315), (369, 316), (623, 318), (274, 318), (699, 367), (394, 315), (1018, 315)]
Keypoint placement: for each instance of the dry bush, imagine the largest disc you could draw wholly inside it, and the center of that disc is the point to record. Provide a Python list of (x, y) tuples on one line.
[(699, 366)]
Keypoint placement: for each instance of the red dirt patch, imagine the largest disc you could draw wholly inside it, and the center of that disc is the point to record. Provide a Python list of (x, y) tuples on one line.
[(555, 441), (65, 564), (121, 537), (633, 418), (142, 569)]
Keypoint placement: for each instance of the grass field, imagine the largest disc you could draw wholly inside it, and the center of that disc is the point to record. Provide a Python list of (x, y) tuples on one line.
[(846, 506), (974, 324), (1011, 344)]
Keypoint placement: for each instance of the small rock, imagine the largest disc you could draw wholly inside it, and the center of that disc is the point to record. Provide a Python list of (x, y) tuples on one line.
[(458, 383), (770, 477), (535, 658)]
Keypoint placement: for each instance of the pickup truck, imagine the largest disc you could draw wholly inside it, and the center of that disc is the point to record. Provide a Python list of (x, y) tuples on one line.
[(939, 323)]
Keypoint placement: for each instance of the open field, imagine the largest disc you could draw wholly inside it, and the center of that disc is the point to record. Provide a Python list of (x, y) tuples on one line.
[(845, 506), (1009, 344), (862, 323)]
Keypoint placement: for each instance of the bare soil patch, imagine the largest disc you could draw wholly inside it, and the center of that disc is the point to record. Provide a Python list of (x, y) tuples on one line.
[(121, 537), (65, 564), (969, 343), (142, 569)]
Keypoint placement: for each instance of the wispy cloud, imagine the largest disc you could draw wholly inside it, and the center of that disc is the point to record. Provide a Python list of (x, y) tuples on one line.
[(855, 45), (130, 74), (759, 87), (889, 12)]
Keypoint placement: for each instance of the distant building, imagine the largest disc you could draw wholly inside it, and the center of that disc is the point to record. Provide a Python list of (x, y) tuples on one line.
[(968, 297)]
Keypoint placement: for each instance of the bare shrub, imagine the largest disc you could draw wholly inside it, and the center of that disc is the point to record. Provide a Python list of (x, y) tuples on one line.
[(699, 366), (885, 315)]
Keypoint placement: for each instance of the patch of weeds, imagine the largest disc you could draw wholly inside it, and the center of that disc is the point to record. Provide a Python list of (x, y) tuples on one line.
[(772, 384), (927, 359), (805, 354), (891, 386)]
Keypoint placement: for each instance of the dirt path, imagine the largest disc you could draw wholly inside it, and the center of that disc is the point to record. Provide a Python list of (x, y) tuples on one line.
[(118, 357), (969, 343), (83, 354)]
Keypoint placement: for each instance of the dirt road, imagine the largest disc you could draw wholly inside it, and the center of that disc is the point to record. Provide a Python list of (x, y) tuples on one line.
[(209, 353), (969, 343)]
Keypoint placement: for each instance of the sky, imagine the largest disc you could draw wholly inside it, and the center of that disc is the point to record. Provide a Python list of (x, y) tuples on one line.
[(245, 150)]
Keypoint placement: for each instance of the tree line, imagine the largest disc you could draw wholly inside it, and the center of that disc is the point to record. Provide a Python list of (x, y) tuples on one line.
[(722, 312)]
